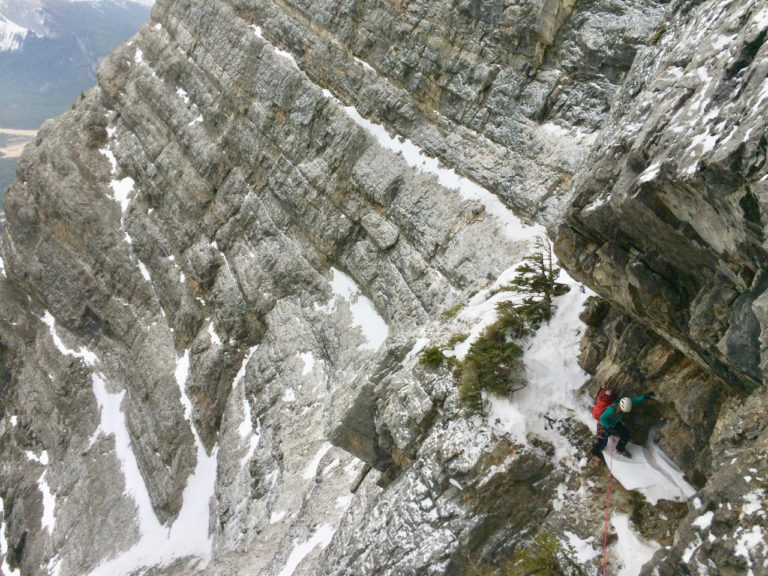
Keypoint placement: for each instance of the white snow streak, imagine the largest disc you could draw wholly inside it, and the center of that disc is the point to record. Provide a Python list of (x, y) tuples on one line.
[(188, 536), (11, 35), (282, 53), (365, 64), (182, 373), (5, 570), (630, 548), (309, 362), (311, 468), (112, 423), (142, 268), (2, 268), (415, 157), (246, 429), (215, 340), (83, 354), (121, 190), (650, 173), (321, 538), (48, 521), (364, 315)]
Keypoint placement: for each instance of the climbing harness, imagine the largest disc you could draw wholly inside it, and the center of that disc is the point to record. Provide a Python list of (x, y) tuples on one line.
[(608, 506)]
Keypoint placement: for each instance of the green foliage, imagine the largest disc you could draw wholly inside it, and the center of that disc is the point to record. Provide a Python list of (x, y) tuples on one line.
[(494, 361), (432, 357), (657, 35), (456, 339), (547, 556), (452, 312), (536, 280), (544, 556)]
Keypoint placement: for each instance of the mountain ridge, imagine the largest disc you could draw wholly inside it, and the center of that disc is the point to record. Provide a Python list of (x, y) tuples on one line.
[(190, 251)]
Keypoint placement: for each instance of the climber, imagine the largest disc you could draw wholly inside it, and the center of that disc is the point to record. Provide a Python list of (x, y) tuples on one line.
[(610, 425)]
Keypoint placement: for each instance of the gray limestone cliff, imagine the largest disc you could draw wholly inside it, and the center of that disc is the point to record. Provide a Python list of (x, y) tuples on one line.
[(220, 268)]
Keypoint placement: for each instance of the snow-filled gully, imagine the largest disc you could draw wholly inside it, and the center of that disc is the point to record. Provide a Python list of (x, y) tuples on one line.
[(159, 545)]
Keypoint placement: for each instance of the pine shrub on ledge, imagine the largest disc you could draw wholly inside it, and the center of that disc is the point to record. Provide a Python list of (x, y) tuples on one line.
[(494, 362)]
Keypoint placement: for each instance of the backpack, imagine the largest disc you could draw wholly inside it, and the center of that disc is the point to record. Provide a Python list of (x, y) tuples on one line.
[(605, 397)]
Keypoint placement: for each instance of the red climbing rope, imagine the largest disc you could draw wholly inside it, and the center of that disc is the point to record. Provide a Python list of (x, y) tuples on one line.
[(608, 505)]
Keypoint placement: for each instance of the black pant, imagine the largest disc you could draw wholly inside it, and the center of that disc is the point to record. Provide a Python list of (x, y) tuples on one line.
[(602, 438)]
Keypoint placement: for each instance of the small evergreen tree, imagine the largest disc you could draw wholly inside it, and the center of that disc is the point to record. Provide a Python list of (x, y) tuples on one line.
[(536, 279)]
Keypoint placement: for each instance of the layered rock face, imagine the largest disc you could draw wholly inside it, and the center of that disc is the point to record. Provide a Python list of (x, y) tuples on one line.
[(669, 224), (669, 217), (221, 266)]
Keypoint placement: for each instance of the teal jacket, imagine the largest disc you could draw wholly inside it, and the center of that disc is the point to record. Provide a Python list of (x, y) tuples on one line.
[(612, 415)]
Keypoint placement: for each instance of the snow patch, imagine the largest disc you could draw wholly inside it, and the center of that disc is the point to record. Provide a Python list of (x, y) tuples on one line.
[(420, 344), (215, 340), (584, 551), (11, 35), (704, 521), (83, 354), (48, 521), (749, 541), (5, 570), (183, 95), (309, 362), (761, 19), (512, 226), (121, 190), (364, 315), (553, 374), (343, 502), (650, 472), (188, 537), (754, 503), (2, 268), (322, 538), (630, 549), (277, 517), (138, 58), (109, 155), (311, 468)]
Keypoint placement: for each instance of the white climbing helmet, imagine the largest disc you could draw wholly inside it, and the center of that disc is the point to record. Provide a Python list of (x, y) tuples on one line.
[(625, 404)]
